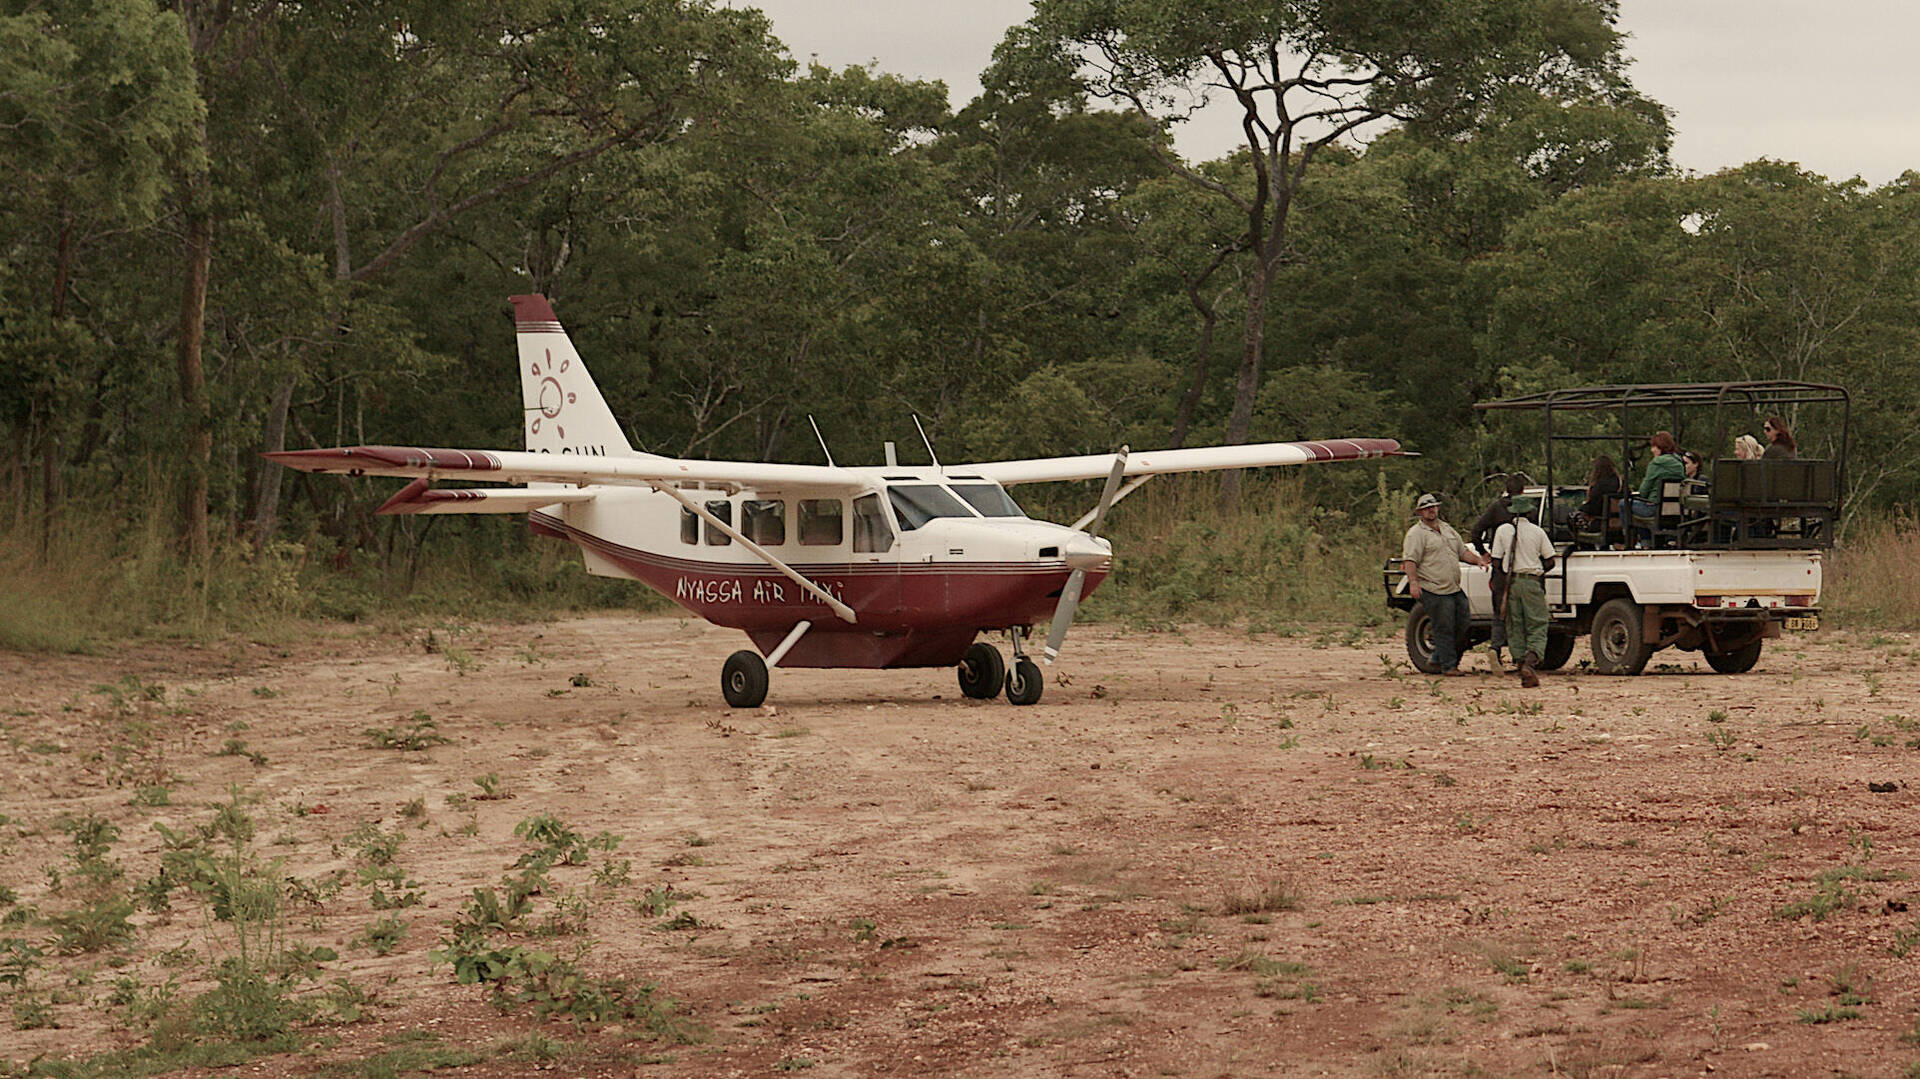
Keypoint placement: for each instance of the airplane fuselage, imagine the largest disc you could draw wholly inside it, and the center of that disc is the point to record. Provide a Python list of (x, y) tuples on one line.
[(909, 551)]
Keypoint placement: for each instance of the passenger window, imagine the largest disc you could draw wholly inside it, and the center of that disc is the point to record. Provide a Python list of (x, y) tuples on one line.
[(723, 510), (764, 520), (689, 525), (870, 529), (822, 522)]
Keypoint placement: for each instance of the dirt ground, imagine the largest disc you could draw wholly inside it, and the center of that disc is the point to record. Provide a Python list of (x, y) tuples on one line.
[(1201, 854)]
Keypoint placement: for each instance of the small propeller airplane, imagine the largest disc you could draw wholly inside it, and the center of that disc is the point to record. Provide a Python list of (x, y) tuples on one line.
[(821, 565)]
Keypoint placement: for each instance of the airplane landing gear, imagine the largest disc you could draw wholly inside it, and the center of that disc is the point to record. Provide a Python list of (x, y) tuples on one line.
[(743, 680), (1023, 678), (982, 671)]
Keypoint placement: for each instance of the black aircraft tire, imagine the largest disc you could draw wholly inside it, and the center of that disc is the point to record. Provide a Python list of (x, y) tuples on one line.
[(982, 671), (1023, 682), (1420, 640), (1559, 650), (1618, 647), (743, 679), (1738, 661)]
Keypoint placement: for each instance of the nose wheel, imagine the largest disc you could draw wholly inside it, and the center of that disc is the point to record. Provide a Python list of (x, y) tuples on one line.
[(1023, 678), (1023, 682)]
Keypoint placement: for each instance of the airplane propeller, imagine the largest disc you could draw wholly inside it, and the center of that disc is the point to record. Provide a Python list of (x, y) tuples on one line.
[(1076, 582)]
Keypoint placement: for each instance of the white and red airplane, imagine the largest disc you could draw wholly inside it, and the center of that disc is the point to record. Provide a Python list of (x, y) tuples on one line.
[(822, 566)]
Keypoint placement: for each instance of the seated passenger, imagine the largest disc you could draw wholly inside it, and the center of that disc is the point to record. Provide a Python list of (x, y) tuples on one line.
[(1747, 448), (1780, 442), (1666, 465), (1603, 482), (1691, 463)]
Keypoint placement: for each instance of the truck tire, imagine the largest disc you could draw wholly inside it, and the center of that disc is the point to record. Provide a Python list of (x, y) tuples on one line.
[(1618, 647), (1420, 640), (1738, 661), (1559, 649)]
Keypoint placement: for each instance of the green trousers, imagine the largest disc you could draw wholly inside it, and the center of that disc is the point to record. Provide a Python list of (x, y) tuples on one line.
[(1527, 616)]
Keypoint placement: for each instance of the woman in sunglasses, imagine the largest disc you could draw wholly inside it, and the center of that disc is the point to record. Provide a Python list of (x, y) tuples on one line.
[(1779, 440)]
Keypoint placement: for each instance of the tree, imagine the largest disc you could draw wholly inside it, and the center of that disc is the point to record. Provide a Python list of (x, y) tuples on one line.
[(99, 99), (1309, 75), (390, 123)]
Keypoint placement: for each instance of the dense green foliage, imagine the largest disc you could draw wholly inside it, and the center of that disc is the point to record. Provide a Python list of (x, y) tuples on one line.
[(236, 226)]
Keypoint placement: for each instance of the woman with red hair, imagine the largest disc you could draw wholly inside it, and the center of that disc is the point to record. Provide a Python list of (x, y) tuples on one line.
[(1666, 465)]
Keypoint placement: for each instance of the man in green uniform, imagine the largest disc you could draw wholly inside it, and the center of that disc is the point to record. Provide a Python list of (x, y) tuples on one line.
[(1526, 552)]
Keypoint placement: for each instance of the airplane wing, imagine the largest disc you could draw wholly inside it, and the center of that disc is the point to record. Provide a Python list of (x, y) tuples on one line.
[(519, 466), (1199, 459)]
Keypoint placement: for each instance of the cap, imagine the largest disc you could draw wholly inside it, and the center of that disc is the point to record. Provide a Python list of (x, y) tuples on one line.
[(1428, 499)]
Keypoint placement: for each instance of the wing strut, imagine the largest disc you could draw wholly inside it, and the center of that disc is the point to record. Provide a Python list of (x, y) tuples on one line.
[(1133, 485), (839, 608)]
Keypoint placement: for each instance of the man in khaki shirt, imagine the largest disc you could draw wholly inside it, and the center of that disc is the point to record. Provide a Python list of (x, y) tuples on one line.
[(1431, 555)]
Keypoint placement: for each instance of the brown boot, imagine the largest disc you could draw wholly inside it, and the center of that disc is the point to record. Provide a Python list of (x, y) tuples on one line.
[(1528, 679)]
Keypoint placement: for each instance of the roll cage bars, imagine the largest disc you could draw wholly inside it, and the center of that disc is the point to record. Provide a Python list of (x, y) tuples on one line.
[(1816, 485)]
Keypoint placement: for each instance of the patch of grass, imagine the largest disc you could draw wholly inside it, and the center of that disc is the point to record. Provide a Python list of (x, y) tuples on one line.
[(1828, 1014), (414, 733), (1276, 894)]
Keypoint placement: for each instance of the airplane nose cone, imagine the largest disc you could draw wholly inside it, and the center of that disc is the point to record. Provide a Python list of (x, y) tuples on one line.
[(1088, 553)]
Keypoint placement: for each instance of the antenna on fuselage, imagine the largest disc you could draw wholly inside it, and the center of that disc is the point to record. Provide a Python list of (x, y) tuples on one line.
[(925, 439), (822, 438)]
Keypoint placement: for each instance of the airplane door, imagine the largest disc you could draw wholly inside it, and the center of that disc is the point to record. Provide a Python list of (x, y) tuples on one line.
[(876, 558)]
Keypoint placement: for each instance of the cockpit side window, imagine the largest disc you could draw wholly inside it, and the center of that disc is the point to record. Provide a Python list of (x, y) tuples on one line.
[(917, 503), (871, 533), (989, 499)]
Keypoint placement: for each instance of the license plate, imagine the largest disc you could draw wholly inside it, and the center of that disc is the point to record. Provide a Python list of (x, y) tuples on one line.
[(1805, 621)]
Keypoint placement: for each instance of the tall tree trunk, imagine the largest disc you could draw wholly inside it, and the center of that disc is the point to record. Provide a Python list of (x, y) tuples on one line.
[(193, 377), (49, 484), (1247, 386)]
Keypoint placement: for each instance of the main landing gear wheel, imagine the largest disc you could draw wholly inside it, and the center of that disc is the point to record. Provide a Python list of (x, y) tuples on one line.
[(1023, 682), (1559, 648), (982, 671), (743, 680), (1738, 661), (1618, 645)]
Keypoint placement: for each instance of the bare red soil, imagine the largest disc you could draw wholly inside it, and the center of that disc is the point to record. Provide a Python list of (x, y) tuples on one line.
[(1200, 854)]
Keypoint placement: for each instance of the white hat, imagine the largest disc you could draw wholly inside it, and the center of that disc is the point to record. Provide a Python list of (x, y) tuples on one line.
[(1428, 499)]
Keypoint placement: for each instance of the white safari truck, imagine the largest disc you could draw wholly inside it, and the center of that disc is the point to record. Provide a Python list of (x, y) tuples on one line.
[(1727, 561)]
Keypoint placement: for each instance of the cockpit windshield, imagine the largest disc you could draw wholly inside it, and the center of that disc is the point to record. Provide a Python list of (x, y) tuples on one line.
[(917, 503), (990, 499)]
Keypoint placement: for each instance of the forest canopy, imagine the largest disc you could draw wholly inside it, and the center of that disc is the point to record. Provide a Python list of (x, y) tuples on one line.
[(237, 226)]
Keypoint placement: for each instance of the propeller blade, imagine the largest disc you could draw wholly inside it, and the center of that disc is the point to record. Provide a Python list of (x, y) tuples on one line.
[(1063, 616), (1076, 582), (1106, 493)]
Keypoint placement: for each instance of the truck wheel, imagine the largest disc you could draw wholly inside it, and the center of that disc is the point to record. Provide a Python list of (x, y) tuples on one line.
[(1738, 661), (1617, 644), (1420, 640), (1559, 648)]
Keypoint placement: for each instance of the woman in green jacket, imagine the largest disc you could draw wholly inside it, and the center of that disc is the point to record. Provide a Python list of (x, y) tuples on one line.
[(1666, 465)]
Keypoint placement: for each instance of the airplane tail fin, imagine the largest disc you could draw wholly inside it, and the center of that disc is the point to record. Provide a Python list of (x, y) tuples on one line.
[(564, 410)]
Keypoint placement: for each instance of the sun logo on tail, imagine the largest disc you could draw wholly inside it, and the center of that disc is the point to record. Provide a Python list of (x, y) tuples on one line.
[(553, 397)]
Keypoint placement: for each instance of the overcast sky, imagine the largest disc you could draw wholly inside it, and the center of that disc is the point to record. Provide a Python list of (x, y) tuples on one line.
[(1831, 85)]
